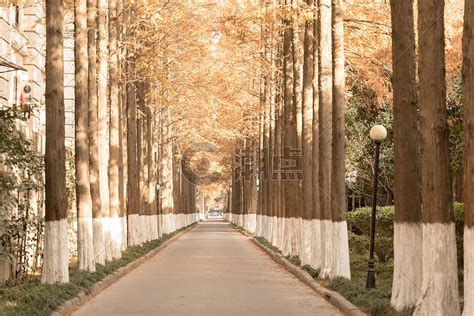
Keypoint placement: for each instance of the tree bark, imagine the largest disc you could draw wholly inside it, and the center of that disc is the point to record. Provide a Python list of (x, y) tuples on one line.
[(152, 160), (132, 165), (55, 261), (122, 131), (85, 243), (316, 196), (94, 134), (297, 209), (307, 143), (103, 143), (289, 130), (325, 133), (114, 136), (407, 230), (167, 174), (123, 164), (341, 264), (141, 159), (439, 281)]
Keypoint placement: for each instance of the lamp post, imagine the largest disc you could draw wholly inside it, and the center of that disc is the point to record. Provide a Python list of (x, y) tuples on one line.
[(378, 133)]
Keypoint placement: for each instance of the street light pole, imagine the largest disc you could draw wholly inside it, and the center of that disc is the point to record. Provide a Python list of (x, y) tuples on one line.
[(378, 133)]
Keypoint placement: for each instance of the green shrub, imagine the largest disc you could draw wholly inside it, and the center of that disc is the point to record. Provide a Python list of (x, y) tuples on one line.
[(384, 248), (360, 221), (358, 244), (313, 272), (375, 302), (294, 259)]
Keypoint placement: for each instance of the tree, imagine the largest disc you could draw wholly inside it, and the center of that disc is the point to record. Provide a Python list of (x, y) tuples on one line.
[(151, 157), (56, 253), (316, 194), (340, 243), (114, 136), (102, 114), (297, 54), (307, 143), (289, 138), (325, 135), (142, 162), (85, 243), (468, 93), (98, 231), (439, 280), (407, 228), (132, 165)]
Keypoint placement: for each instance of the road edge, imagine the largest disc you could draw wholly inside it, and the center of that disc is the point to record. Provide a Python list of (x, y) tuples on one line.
[(336, 299), (70, 306)]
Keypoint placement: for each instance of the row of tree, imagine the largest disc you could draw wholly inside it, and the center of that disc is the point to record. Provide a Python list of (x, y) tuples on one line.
[(130, 187), (301, 202)]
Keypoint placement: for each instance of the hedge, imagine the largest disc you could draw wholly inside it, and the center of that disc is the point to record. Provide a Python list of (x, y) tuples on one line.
[(359, 222)]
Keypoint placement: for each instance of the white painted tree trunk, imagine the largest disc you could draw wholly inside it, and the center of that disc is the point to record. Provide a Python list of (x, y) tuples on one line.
[(103, 128), (116, 236), (327, 271), (407, 270), (468, 271), (306, 251), (286, 237), (143, 228), (154, 227), (296, 236), (160, 225), (274, 230), (124, 230), (252, 223), (56, 253), (439, 292), (316, 244), (281, 227), (85, 239), (340, 243), (258, 231), (134, 230), (98, 236)]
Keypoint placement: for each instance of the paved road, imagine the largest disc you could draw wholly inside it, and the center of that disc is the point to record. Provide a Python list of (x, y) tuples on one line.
[(211, 270)]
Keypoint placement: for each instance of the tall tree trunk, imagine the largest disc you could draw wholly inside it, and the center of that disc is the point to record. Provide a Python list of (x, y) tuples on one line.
[(152, 161), (103, 143), (85, 243), (440, 283), (325, 133), (307, 142), (114, 136), (94, 134), (289, 139), (167, 174), (468, 92), (407, 227), (296, 210), (123, 165), (122, 132), (316, 198), (132, 165), (56, 254), (340, 245), (141, 161)]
